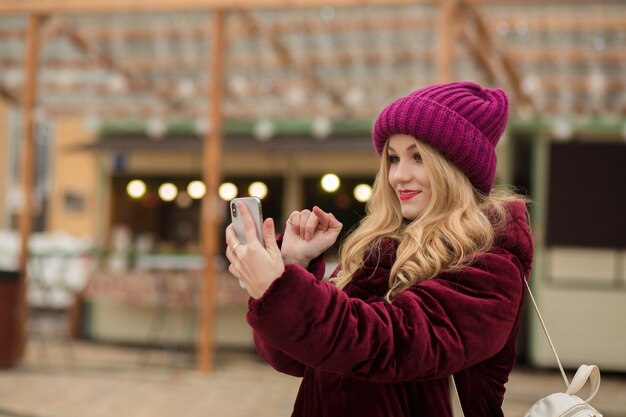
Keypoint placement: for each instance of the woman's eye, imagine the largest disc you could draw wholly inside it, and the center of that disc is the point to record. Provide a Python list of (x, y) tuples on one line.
[(393, 159), (417, 157)]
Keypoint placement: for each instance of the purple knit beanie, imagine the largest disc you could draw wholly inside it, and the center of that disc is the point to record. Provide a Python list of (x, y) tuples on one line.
[(462, 120)]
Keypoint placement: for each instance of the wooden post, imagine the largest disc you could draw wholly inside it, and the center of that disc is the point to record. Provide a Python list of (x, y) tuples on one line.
[(445, 47), (212, 158), (29, 96)]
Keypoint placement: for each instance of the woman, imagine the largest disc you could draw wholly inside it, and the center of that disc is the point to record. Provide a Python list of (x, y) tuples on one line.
[(429, 285)]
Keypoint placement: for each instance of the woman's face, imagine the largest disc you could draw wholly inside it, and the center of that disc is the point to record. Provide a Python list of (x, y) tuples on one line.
[(408, 176)]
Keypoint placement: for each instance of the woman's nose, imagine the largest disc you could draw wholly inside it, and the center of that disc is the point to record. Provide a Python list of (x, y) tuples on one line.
[(402, 172)]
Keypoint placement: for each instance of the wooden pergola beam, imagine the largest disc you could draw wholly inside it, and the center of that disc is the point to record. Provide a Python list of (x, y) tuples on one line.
[(344, 57), (99, 6), (496, 63), (286, 58), (480, 54), (7, 95), (104, 59), (148, 64), (550, 106), (487, 41), (573, 22)]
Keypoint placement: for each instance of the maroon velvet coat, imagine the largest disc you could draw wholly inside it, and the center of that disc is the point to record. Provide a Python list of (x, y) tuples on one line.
[(362, 356)]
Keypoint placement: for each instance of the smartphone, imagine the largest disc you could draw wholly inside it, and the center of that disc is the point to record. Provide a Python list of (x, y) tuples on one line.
[(255, 209)]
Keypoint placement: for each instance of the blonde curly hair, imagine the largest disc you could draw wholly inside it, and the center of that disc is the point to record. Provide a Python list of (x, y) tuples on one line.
[(458, 223)]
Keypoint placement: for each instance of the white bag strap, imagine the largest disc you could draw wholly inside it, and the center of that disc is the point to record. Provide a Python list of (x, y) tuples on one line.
[(545, 330), (455, 401), (585, 372)]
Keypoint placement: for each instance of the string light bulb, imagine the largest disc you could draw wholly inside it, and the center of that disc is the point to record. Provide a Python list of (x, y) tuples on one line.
[(330, 183), (196, 190), (363, 192), (136, 188), (258, 189), (168, 191), (227, 191)]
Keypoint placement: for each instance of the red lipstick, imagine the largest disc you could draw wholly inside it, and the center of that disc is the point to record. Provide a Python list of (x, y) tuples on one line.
[(408, 194)]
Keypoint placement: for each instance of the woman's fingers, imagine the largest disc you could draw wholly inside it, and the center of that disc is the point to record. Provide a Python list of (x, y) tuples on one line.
[(269, 235), (255, 267), (334, 223), (233, 270), (304, 218), (326, 220), (230, 255), (311, 225), (248, 222), (232, 244), (304, 223), (294, 221), (231, 238), (322, 216)]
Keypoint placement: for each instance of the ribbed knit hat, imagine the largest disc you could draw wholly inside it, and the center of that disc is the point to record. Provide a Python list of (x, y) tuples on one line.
[(462, 120)]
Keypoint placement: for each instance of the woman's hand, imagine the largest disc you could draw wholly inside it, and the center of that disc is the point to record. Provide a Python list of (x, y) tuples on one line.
[(308, 234), (255, 266)]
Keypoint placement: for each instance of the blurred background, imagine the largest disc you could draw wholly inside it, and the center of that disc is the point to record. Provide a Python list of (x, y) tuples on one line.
[(126, 127)]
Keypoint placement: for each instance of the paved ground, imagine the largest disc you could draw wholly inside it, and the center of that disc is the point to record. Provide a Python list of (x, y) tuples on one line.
[(105, 381)]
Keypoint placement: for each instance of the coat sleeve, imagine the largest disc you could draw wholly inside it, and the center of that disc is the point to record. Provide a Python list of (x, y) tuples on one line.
[(431, 330), (275, 357)]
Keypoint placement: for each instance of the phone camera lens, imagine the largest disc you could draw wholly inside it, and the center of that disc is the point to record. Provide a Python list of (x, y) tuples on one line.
[(234, 210)]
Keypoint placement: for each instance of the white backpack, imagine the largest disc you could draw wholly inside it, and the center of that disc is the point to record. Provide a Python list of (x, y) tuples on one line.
[(560, 404)]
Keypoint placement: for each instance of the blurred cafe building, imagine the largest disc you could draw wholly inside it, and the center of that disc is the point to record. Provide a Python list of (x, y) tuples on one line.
[(122, 105)]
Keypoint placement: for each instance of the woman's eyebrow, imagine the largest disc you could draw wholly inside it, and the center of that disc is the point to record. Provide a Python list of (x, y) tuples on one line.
[(408, 149)]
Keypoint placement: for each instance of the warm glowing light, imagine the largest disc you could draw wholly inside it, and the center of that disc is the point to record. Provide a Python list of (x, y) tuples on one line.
[(136, 188), (227, 191), (168, 191), (363, 192), (258, 189), (330, 183), (196, 189)]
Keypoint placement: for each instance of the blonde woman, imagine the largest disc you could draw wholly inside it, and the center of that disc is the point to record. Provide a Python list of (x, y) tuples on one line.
[(429, 285)]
